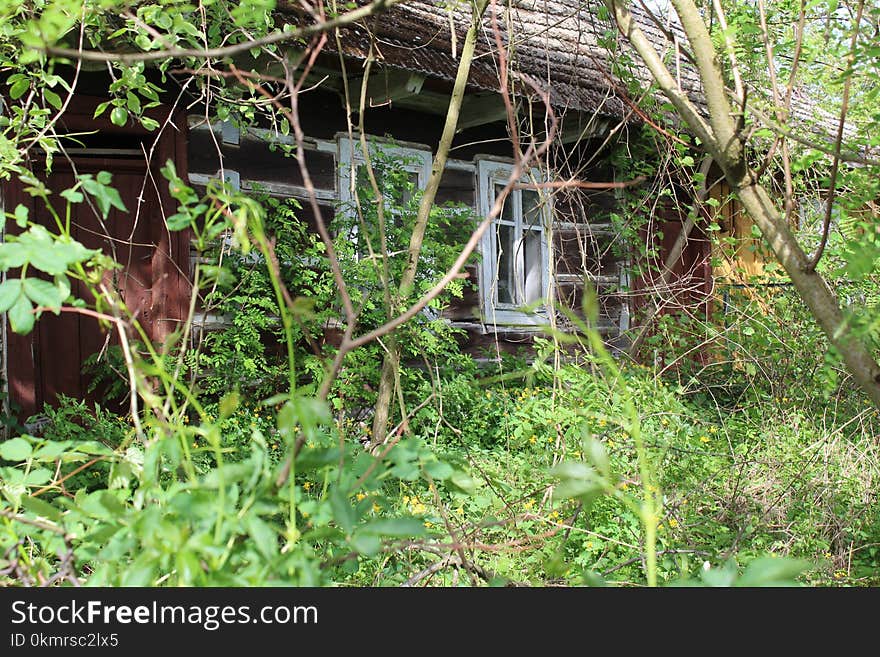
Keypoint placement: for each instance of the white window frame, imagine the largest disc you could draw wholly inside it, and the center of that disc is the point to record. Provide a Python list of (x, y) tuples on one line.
[(489, 173), (417, 159)]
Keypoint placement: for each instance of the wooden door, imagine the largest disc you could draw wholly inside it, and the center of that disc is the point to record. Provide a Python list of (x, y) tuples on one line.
[(152, 278)]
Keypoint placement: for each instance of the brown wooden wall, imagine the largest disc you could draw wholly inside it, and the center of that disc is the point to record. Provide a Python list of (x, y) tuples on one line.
[(154, 278)]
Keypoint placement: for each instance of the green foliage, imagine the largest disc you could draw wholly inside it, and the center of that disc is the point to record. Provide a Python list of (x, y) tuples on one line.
[(579, 470)]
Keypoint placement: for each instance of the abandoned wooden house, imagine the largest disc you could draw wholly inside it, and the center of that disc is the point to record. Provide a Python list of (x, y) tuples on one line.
[(547, 244)]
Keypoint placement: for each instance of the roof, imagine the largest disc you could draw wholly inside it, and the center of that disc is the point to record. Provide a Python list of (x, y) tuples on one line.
[(560, 45), (566, 47)]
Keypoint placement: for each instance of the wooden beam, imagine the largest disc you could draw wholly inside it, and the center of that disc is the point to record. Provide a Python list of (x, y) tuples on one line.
[(578, 126), (480, 109), (389, 85)]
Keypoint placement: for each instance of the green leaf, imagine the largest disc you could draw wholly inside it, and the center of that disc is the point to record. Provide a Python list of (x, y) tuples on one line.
[(228, 404), (119, 116), (398, 527), (43, 293), (21, 316), (21, 215), (18, 89), (599, 457), (52, 98), (100, 109), (133, 102), (72, 196), (94, 448), (772, 571), (10, 290), (309, 459), (140, 573), (40, 508), (577, 480), (367, 544), (263, 535), (15, 449), (112, 504), (343, 512), (51, 450), (438, 470), (63, 285), (188, 566), (463, 481), (38, 477), (179, 221)]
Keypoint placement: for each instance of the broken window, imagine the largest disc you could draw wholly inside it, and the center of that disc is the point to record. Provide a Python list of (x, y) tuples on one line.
[(514, 273)]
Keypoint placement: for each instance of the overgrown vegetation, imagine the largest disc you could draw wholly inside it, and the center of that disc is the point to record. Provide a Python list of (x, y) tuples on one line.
[(736, 450)]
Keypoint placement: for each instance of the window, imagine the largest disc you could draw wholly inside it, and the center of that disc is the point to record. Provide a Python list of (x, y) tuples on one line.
[(415, 161), (515, 264)]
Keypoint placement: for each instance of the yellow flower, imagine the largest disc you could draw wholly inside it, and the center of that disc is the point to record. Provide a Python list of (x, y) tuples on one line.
[(274, 446), (554, 515), (673, 523), (713, 429), (529, 504), (588, 545), (610, 444), (533, 439), (624, 486), (827, 555), (307, 485), (704, 439), (660, 527), (460, 511), (428, 524), (305, 514), (576, 454), (602, 423), (549, 439), (664, 421), (360, 496), (376, 508)]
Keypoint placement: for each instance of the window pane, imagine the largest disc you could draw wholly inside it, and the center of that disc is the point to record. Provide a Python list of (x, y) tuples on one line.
[(531, 202), (507, 211), (505, 261), (410, 190), (363, 188), (533, 265)]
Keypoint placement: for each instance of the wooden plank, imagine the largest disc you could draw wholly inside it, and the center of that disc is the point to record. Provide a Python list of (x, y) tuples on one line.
[(390, 85), (480, 109), (22, 372), (578, 126)]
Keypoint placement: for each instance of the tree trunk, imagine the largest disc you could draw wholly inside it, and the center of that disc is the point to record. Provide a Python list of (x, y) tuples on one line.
[(721, 140)]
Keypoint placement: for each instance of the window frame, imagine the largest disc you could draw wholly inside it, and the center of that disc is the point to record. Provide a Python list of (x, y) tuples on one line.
[(489, 173), (350, 155)]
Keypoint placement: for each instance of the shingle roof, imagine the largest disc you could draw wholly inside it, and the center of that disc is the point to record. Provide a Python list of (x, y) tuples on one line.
[(567, 47), (558, 44)]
